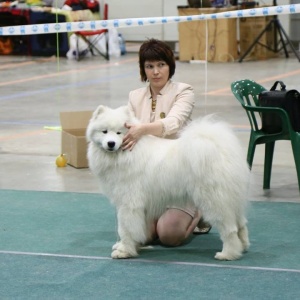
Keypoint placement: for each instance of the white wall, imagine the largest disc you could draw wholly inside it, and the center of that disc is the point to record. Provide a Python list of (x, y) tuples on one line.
[(119, 9), (142, 9)]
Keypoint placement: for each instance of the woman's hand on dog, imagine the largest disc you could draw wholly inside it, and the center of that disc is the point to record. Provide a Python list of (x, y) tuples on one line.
[(136, 131), (132, 136)]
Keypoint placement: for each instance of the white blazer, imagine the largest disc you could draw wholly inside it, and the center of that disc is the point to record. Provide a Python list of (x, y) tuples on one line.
[(174, 106)]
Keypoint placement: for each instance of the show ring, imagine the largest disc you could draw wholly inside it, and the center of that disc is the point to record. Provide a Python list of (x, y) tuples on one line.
[(33, 29)]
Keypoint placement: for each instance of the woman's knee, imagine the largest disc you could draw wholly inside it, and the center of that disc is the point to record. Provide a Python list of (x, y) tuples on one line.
[(172, 228)]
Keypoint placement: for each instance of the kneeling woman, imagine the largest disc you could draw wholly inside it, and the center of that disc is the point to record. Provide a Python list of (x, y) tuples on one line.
[(164, 107)]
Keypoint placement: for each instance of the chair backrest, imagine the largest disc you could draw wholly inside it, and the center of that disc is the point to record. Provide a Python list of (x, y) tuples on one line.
[(247, 91)]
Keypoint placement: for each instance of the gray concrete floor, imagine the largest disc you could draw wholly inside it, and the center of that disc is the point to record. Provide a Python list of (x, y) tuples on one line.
[(35, 90)]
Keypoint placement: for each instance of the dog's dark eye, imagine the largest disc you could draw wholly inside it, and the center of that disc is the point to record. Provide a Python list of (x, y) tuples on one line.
[(119, 132), (104, 131)]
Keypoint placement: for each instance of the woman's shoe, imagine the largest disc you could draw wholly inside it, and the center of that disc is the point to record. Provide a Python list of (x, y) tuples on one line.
[(202, 227)]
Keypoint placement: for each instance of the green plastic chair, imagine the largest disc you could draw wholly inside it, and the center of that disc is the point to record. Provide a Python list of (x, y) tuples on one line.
[(247, 91)]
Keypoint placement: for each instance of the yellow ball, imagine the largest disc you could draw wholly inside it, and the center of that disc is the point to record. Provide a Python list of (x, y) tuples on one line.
[(61, 160)]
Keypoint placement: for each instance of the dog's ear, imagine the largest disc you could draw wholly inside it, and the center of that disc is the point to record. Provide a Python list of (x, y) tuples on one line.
[(124, 109), (99, 110), (130, 118)]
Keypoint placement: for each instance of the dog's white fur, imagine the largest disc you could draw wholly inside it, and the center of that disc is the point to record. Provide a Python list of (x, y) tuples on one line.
[(205, 166)]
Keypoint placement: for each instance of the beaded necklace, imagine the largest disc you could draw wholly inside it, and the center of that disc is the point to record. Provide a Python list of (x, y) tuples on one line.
[(153, 104)]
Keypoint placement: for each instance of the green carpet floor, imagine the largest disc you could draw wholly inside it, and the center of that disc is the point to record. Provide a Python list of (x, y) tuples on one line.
[(58, 245)]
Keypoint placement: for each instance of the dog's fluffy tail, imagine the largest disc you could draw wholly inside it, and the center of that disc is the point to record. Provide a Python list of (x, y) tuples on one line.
[(213, 139), (217, 156), (211, 128)]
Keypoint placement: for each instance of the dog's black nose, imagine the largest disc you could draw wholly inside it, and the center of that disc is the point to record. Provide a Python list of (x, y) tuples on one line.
[(111, 145)]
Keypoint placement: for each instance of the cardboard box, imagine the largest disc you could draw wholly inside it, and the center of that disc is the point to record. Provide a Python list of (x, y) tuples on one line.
[(250, 28), (222, 37), (73, 137)]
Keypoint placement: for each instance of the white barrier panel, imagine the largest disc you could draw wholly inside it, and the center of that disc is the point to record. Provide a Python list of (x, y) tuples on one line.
[(137, 22)]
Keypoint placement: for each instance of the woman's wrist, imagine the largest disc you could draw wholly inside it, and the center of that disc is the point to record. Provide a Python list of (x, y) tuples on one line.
[(144, 129), (155, 128)]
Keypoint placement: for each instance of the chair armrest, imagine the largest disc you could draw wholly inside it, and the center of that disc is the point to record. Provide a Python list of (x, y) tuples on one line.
[(286, 124)]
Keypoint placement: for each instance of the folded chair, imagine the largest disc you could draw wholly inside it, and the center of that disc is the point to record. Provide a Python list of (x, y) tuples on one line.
[(91, 40), (246, 92)]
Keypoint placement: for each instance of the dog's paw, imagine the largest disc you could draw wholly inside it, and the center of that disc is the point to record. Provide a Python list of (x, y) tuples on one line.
[(116, 246), (227, 256), (121, 254), (121, 250), (246, 246)]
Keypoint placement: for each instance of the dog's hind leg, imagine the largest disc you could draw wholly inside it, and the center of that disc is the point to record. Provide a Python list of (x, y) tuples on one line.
[(132, 232), (232, 245), (243, 233)]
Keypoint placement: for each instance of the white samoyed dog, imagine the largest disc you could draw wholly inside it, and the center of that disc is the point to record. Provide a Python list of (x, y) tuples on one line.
[(204, 166)]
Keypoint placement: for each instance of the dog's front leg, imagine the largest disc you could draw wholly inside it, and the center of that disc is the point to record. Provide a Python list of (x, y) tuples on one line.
[(132, 232)]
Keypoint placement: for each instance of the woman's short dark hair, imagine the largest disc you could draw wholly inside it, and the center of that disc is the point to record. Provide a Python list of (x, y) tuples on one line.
[(155, 50)]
